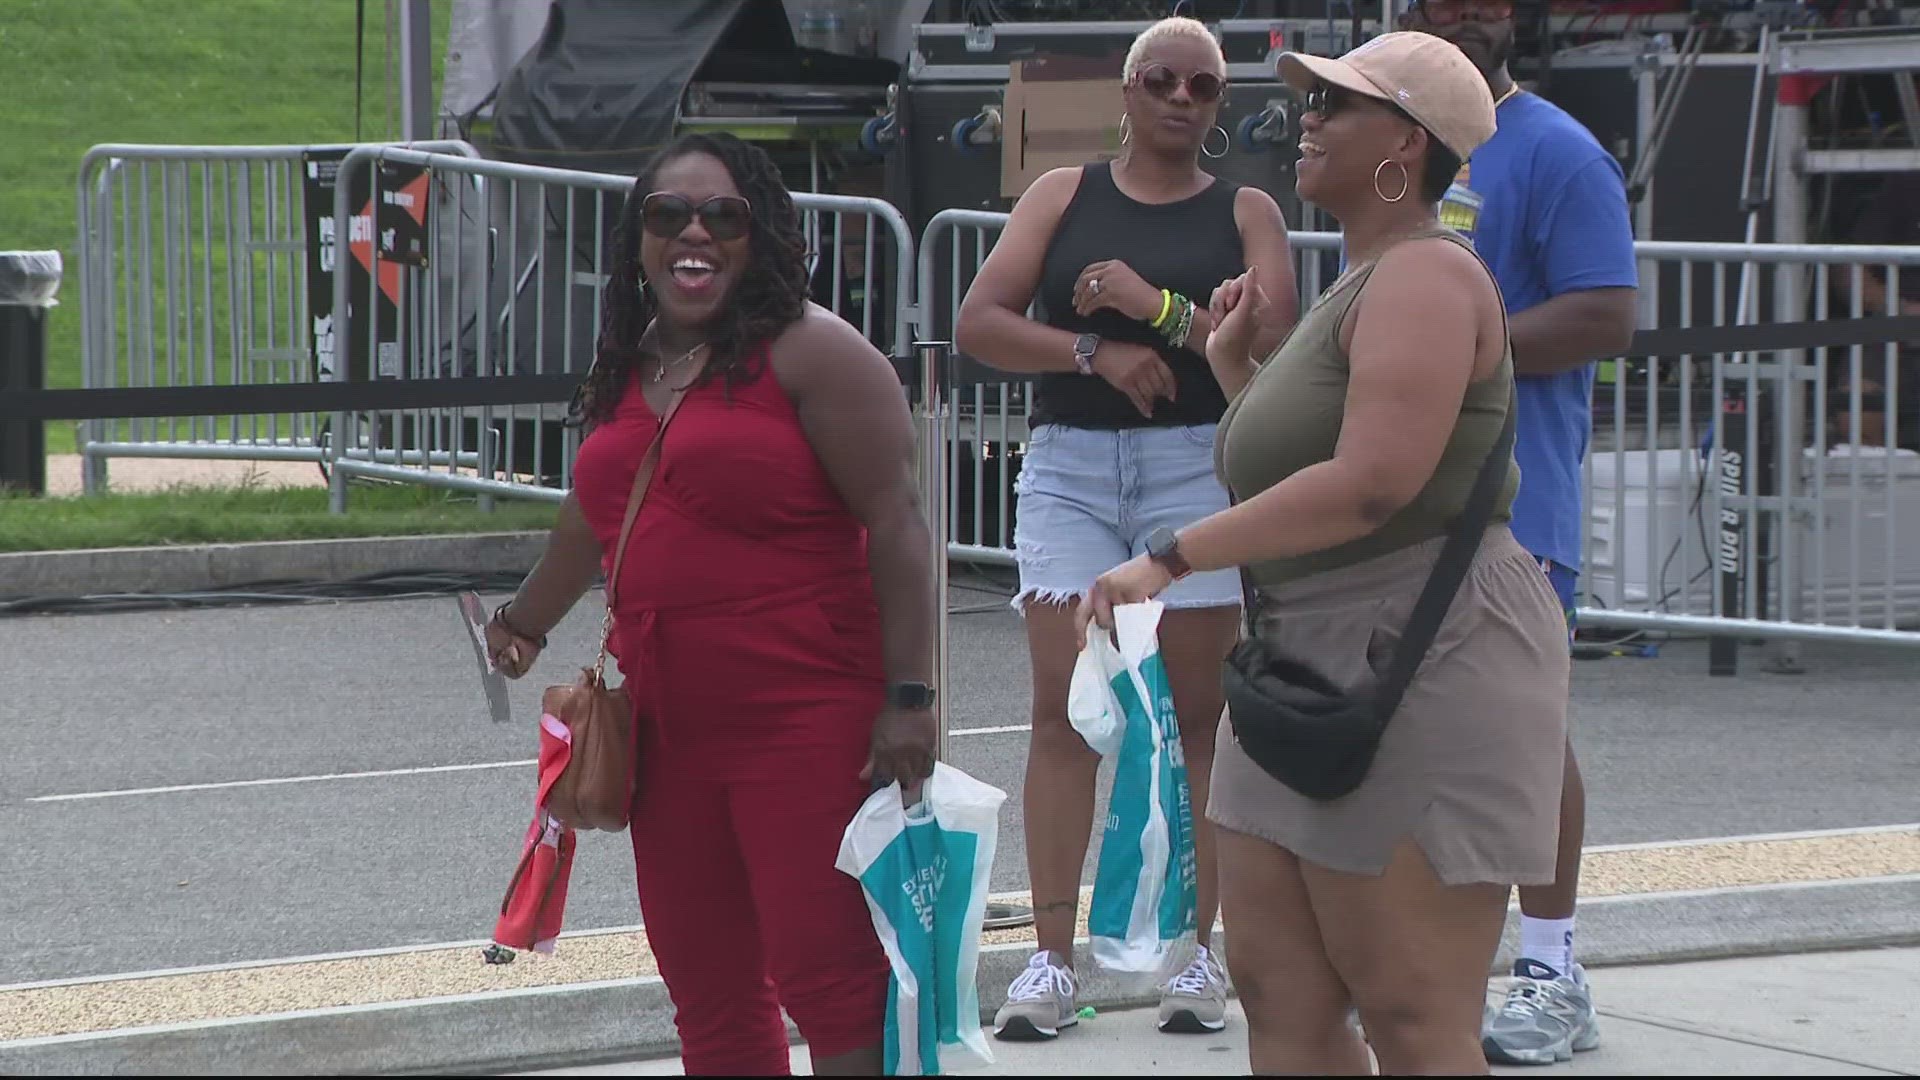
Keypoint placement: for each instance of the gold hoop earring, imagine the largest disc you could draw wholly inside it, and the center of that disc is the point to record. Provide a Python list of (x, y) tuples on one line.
[(1126, 128), (1406, 181), (1226, 142)]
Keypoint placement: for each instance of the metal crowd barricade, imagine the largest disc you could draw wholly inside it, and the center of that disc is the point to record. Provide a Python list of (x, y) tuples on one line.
[(193, 271), (987, 423), (512, 282), (1750, 494), (1676, 539)]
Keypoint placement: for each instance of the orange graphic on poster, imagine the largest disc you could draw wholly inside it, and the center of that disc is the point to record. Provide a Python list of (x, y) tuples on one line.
[(412, 198)]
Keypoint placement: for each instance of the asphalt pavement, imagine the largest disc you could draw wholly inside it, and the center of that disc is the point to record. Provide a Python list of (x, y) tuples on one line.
[(262, 841)]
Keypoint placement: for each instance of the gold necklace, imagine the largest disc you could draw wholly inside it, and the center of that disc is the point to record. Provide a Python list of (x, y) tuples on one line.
[(1511, 90), (666, 365)]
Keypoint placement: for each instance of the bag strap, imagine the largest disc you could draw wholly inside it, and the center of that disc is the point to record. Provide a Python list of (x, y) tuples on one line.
[(1449, 570), (642, 480)]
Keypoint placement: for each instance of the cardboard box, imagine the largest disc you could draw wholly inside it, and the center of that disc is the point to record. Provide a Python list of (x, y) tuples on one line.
[(1060, 111)]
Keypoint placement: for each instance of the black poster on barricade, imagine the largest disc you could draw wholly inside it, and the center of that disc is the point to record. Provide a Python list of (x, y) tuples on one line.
[(402, 223)]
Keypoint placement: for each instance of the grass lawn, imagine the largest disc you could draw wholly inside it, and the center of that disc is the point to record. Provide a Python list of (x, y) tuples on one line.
[(84, 72), (211, 515)]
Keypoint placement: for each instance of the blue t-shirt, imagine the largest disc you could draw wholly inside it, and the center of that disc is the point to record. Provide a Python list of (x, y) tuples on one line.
[(1546, 207)]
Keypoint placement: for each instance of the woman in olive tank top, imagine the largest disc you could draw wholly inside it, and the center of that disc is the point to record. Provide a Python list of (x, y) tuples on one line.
[(1349, 453)]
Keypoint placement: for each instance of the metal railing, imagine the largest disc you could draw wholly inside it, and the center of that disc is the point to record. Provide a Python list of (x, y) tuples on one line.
[(1763, 492), (194, 269), (1684, 531), (512, 285), (1747, 493)]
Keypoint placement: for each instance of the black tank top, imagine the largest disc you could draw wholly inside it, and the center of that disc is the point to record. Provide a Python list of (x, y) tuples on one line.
[(1189, 246)]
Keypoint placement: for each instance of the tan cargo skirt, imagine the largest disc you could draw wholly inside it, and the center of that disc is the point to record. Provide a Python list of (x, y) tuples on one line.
[(1471, 766)]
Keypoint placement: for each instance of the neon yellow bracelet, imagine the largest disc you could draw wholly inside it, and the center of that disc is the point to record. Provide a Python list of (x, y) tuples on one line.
[(1166, 305)]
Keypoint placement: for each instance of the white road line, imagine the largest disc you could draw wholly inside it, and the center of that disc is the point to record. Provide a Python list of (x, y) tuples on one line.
[(123, 792), (957, 732), (277, 780)]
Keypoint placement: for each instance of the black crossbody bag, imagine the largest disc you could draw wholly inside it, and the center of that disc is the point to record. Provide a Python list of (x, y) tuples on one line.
[(1313, 736)]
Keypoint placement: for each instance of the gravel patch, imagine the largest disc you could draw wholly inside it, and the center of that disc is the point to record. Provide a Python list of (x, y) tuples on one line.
[(159, 474), (1753, 862)]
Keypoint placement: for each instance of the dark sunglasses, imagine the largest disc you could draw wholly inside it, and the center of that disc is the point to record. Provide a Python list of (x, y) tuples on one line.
[(725, 217), (1448, 12), (1328, 100), (1325, 100), (1160, 80)]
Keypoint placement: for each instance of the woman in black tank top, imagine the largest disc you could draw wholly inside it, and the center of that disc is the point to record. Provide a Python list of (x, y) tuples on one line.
[(1122, 259)]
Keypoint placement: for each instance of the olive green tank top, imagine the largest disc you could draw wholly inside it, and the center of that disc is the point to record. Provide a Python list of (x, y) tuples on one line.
[(1288, 417)]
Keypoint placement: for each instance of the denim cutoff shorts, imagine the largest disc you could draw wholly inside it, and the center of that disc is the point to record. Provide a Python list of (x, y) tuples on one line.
[(1087, 499)]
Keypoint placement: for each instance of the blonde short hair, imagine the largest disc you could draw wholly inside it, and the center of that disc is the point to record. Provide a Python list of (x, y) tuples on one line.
[(1177, 27)]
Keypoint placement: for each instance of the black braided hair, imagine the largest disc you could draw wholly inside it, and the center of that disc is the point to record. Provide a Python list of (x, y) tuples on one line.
[(769, 296)]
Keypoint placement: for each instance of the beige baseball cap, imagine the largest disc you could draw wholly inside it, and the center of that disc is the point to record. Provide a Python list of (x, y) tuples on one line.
[(1426, 77)]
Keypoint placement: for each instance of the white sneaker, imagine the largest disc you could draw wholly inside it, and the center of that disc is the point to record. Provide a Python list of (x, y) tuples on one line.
[(1041, 1001), (1195, 1001)]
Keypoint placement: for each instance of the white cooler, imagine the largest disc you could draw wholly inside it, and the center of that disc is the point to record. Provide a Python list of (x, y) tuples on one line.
[(1628, 545)]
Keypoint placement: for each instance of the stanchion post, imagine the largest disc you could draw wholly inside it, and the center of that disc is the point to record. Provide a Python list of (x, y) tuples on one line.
[(932, 415), (936, 399)]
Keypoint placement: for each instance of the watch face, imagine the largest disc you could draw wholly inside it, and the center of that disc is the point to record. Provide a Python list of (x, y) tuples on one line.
[(913, 695)]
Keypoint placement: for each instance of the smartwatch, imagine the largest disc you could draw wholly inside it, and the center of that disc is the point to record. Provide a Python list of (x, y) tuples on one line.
[(909, 695), (1163, 547), (1083, 349)]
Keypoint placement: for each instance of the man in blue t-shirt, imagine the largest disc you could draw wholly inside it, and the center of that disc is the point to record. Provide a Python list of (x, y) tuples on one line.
[(1546, 208)]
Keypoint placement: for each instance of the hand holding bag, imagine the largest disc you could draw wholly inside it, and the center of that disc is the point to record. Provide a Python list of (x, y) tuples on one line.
[(1311, 735), (595, 790), (924, 871)]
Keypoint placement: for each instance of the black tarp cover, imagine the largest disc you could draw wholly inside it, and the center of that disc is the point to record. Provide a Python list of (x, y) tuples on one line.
[(602, 89)]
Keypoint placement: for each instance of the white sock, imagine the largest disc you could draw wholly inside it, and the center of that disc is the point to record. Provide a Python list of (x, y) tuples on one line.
[(1549, 941)]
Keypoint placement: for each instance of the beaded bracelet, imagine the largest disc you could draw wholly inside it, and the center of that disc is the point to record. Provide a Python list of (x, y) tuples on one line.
[(1181, 324), (1169, 313)]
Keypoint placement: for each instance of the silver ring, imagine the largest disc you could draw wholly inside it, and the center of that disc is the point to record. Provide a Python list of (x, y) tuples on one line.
[(1093, 285)]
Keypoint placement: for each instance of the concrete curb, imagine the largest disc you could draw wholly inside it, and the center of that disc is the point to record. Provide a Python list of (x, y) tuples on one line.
[(630, 1019), (191, 568)]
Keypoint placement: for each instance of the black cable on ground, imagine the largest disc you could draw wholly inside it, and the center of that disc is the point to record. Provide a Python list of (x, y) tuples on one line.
[(395, 585)]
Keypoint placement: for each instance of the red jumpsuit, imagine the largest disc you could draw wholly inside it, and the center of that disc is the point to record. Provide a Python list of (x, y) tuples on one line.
[(748, 633)]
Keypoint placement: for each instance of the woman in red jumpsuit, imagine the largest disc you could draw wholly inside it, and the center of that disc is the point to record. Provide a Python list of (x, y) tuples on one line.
[(775, 609)]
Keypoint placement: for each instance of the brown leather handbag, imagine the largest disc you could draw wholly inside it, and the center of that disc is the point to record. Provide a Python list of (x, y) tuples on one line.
[(595, 791)]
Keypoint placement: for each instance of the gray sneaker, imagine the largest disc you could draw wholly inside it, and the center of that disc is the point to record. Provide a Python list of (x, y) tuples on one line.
[(1041, 1001), (1195, 1001), (1546, 1017)]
